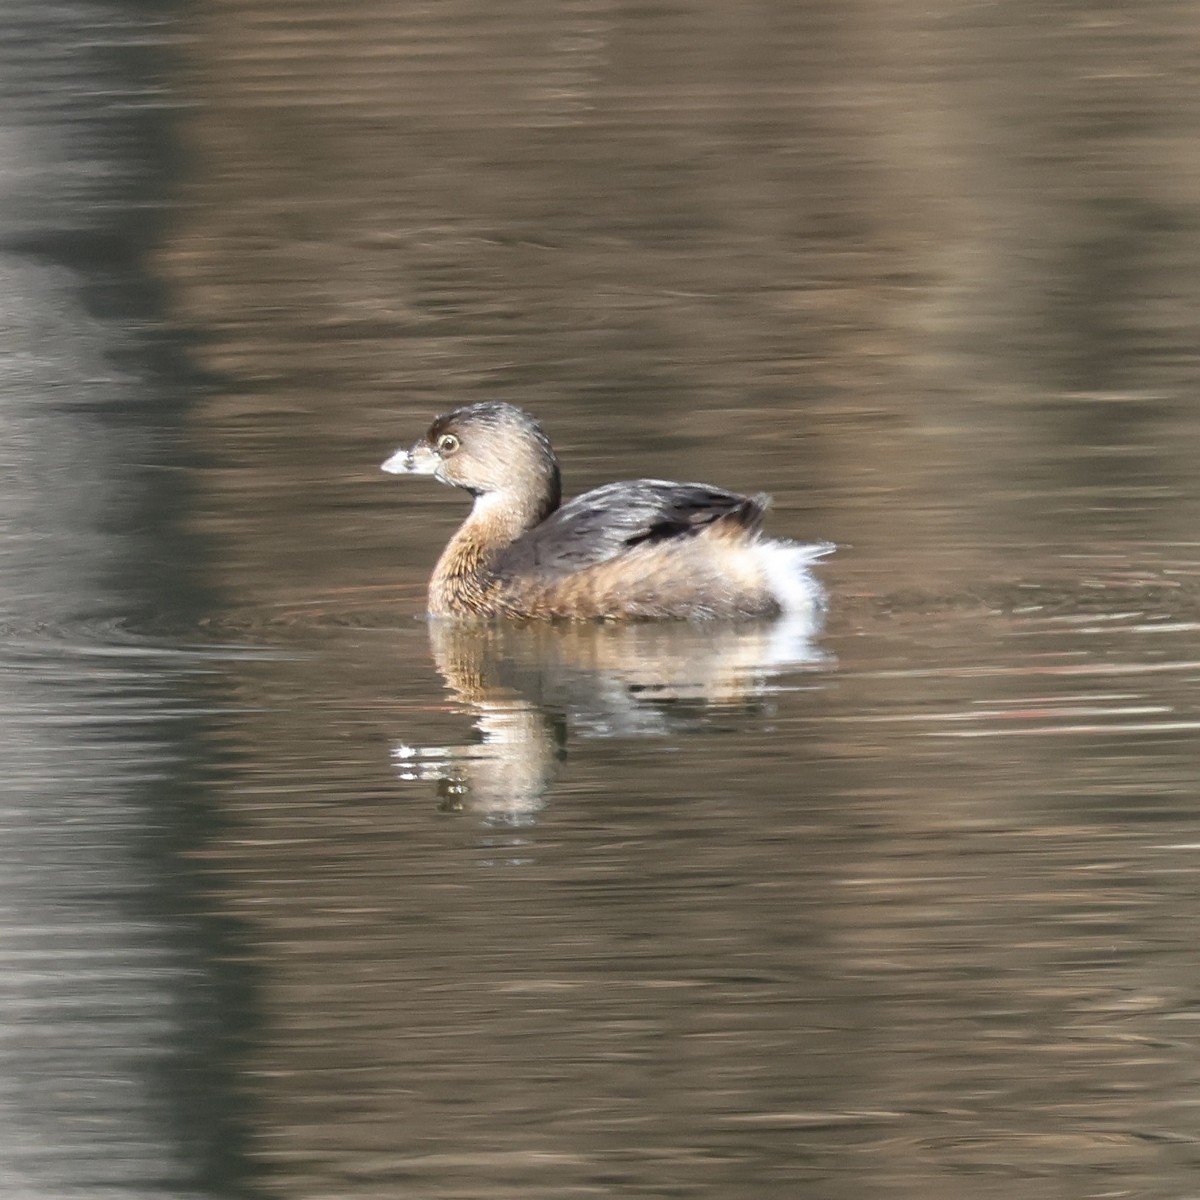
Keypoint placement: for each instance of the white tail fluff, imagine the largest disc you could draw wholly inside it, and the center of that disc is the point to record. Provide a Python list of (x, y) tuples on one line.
[(787, 567)]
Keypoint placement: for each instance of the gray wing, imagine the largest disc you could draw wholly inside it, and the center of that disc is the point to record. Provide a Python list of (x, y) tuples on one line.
[(609, 520)]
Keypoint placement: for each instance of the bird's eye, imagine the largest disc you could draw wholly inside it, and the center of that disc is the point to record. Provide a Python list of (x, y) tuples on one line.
[(447, 443)]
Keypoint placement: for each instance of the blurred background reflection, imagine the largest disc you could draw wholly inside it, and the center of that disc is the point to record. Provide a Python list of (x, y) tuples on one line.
[(301, 896)]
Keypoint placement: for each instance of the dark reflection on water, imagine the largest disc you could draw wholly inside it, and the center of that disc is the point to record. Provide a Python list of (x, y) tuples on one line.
[(113, 1076), (305, 896)]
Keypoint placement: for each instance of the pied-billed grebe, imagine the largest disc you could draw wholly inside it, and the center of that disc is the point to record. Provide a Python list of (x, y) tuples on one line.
[(645, 549)]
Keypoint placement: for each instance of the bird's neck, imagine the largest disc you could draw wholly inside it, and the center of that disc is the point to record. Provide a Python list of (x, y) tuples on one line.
[(466, 570)]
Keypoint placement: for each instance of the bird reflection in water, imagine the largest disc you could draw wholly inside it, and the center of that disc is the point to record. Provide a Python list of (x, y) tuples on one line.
[(526, 686)]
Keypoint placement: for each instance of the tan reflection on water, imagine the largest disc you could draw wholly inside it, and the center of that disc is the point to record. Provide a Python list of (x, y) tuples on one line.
[(928, 274), (908, 263), (825, 941)]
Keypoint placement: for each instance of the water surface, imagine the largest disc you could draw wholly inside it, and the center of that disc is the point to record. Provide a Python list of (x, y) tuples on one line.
[(306, 897)]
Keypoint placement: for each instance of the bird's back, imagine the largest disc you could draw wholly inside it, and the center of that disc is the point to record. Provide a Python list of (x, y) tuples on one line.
[(609, 521), (645, 548)]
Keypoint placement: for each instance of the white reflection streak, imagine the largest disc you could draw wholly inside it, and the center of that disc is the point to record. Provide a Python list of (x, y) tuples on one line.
[(505, 776), (1049, 730), (993, 671)]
